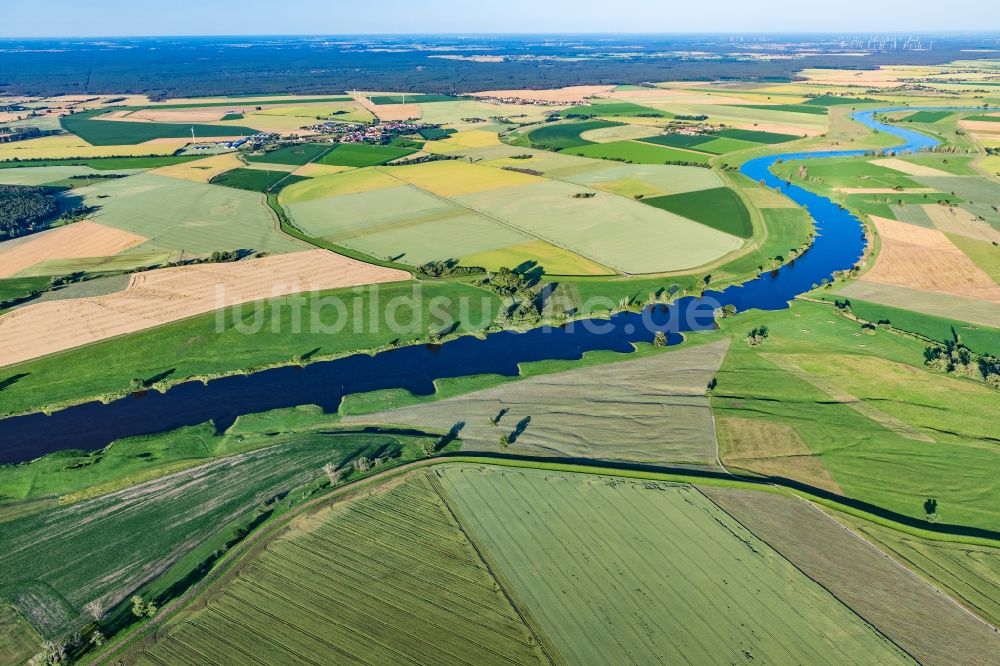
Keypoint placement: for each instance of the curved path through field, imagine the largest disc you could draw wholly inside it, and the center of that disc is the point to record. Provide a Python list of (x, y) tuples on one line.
[(839, 244)]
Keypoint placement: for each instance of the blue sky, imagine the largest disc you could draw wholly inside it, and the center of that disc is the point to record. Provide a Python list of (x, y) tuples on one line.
[(35, 18)]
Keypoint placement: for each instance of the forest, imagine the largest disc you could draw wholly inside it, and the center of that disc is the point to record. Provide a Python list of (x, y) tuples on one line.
[(24, 209)]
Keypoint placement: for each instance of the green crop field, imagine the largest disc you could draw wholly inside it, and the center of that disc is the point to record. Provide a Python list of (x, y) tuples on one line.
[(389, 577), (196, 347), (756, 136), (905, 609), (362, 155), (814, 109), (608, 108), (859, 404), (724, 145), (297, 155), (639, 152), (104, 163), (984, 118), (720, 208), (183, 215), (132, 533), (414, 98), (256, 180), (834, 100), (679, 140), (927, 116), (565, 135), (849, 172), (98, 132), (587, 412), (622, 571)]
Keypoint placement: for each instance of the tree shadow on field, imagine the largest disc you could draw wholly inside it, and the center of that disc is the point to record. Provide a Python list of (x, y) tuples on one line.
[(519, 429), (530, 271), (309, 354), (451, 436), (13, 379), (500, 415), (159, 377)]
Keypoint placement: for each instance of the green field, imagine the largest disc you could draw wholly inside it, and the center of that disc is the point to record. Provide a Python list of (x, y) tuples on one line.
[(984, 118), (834, 100), (587, 412), (638, 152), (362, 154), (104, 163), (756, 136), (859, 404), (908, 611), (814, 109), (927, 116), (565, 135), (981, 339), (389, 577), (620, 571), (19, 642), (183, 215), (132, 533), (849, 172), (608, 108), (297, 154), (195, 347), (256, 180), (720, 208), (679, 140), (98, 132), (412, 98)]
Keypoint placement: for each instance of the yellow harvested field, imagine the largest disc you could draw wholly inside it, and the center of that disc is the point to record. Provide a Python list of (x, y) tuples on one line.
[(7, 116), (449, 178), (314, 170), (73, 241), (352, 181), (883, 77), (157, 297), (473, 139), (909, 168), (441, 147), (961, 222), (275, 124), (69, 145), (567, 95), (981, 126), (619, 133), (668, 96), (885, 190), (925, 259), (204, 114), (771, 449), (555, 260), (201, 171)]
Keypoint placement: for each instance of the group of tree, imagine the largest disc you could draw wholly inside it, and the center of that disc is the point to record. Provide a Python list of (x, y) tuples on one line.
[(954, 358), (756, 336), (25, 209)]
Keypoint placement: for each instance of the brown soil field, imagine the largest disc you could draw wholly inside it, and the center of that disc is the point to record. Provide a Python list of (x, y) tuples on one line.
[(206, 114), (909, 168), (771, 449), (961, 222), (161, 296), (925, 259), (651, 409), (567, 95), (916, 616), (73, 241)]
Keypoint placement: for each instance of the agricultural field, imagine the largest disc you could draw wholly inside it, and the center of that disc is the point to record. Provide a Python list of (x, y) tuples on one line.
[(255, 180), (156, 297), (296, 155), (639, 152), (133, 534), (710, 591), (93, 128), (360, 155), (342, 581), (898, 603), (720, 208), (859, 404), (604, 412), (401, 212), (75, 241)]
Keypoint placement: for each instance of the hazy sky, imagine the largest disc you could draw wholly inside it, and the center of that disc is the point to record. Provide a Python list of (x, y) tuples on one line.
[(38, 18)]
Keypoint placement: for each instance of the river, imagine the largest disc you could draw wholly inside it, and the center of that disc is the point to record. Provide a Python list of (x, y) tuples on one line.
[(838, 245)]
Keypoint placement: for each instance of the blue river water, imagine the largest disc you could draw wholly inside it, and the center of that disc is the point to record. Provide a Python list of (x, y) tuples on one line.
[(838, 245)]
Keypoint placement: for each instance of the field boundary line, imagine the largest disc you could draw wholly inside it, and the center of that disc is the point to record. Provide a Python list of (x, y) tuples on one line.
[(544, 643), (808, 577), (898, 564)]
